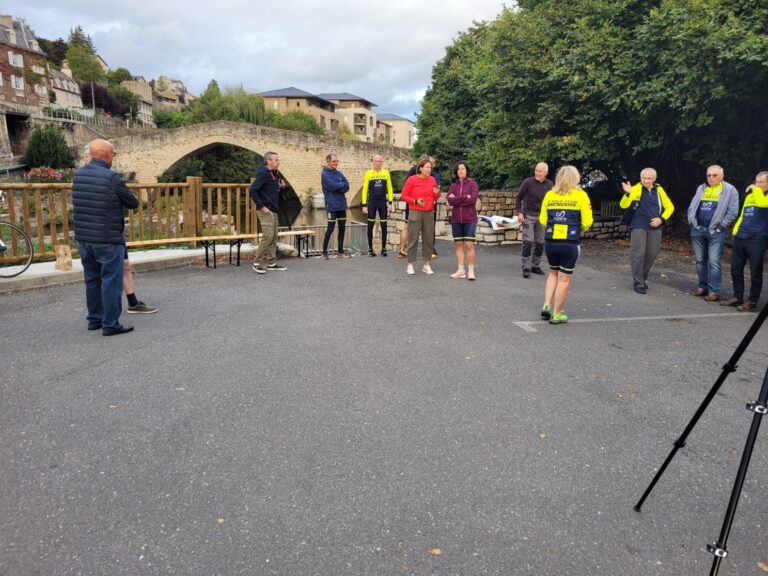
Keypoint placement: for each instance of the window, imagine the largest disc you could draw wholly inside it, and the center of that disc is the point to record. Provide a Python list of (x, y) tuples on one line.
[(275, 105), (1, 79), (11, 35), (17, 82), (38, 69), (41, 89), (15, 59)]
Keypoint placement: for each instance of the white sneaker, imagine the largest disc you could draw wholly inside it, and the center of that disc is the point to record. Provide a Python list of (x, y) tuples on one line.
[(409, 270), (427, 269), (459, 274)]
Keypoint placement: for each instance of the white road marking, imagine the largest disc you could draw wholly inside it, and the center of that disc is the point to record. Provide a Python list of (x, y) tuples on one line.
[(528, 325)]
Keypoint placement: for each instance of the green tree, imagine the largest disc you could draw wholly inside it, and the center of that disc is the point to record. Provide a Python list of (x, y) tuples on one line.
[(128, 100), (47, 147), (611, 85), (345, 132), (55, 51), (83, 63), (168, 119), (295, 120), (78, 37), (114, 77)]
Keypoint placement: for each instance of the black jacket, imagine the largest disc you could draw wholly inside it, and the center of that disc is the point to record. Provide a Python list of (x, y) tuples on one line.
[(98, 198), (265, 188)]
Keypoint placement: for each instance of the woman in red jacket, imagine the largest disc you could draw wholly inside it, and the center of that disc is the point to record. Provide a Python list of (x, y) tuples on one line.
[(463, 197), (420, 192)]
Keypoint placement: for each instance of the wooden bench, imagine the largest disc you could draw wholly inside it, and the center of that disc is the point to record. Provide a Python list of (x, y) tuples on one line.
[(301, 238)]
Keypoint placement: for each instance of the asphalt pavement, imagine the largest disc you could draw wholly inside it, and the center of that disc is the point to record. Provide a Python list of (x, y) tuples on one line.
[(343, 418)]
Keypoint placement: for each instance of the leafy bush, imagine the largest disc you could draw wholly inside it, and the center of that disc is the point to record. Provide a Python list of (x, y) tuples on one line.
[(47, 147)]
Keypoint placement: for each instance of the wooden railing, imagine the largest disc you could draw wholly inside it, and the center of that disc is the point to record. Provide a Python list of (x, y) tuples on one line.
[(173, 210)]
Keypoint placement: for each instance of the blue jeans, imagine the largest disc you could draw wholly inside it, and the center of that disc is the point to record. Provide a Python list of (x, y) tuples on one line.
[(708, 249), (103, 271)]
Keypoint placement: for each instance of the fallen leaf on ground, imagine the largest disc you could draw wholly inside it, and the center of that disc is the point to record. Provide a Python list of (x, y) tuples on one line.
[(436, 552), (219, 520), (542, 435), (112, 407), (763, 566)]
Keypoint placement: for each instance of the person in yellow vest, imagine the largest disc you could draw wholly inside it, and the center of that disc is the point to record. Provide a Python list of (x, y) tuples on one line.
[(566, 212), (648, 208), (750, 240), (377, 195)]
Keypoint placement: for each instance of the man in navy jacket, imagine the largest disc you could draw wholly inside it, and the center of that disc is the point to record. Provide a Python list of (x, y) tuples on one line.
[(265, 192), (99, 196), (335, 187)]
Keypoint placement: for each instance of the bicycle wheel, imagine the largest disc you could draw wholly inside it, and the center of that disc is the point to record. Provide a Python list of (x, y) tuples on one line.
[(15, 250)]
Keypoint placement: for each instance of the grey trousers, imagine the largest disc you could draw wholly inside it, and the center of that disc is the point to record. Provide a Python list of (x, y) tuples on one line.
[(644, 246), (420, 221), (533, 241)]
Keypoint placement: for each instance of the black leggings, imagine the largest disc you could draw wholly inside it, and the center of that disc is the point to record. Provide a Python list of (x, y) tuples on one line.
[(381, 209), (339, 216)]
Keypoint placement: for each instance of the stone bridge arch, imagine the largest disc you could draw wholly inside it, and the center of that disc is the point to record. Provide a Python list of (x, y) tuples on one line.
[(302, 155)]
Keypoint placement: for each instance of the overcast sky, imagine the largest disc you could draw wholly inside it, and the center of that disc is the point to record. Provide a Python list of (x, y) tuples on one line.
[(382, 51)]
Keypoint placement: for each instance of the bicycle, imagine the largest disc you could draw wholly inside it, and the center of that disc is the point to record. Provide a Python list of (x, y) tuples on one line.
[(16, 250)]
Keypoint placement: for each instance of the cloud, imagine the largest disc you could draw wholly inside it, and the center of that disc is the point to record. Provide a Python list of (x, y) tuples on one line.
[(383, 53)]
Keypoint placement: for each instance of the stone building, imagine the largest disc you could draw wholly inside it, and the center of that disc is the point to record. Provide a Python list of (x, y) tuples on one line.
[(23, 85), (67, 91), (23, 68), (395, 130), (355, 112), (143, 90), (290, 99)]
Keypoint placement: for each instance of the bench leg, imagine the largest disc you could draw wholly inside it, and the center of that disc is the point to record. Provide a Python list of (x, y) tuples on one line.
[(232, 243)]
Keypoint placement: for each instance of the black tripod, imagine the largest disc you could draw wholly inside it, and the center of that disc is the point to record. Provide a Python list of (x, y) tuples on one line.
[(718, 549)]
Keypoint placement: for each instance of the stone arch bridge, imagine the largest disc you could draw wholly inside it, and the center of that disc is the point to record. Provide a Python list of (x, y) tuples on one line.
[(302, 155)]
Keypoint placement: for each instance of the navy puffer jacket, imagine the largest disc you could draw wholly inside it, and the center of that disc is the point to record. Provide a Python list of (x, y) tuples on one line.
[(98, 198)]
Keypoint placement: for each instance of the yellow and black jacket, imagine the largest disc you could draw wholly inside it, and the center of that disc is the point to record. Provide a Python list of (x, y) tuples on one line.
[(377, 186), (565, 216)]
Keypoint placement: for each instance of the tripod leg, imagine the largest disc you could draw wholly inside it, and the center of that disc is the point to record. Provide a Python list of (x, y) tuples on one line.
[(729, 367), (759, 408)]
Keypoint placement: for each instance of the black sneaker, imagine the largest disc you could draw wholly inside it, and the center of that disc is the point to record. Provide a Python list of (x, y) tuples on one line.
[(259, 269), (371, 253), (537, 270), (384, 253), (526, 273), (276, 267)]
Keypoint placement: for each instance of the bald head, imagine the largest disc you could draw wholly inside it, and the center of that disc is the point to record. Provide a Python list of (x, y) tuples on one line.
[(540, 171), (102, 150)]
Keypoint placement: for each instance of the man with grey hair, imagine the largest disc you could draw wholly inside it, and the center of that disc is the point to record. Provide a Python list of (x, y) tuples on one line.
[(528, 207), (750, 240), (648, 208), (265, 192), (713, 209)]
